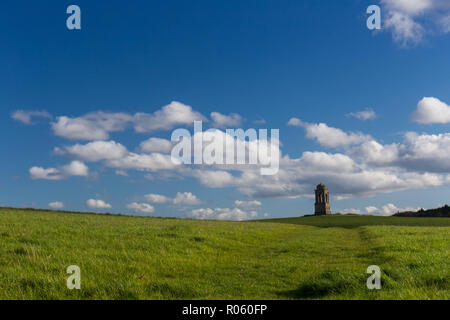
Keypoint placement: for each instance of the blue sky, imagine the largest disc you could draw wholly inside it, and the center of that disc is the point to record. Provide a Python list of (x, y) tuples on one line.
[(310, 61)]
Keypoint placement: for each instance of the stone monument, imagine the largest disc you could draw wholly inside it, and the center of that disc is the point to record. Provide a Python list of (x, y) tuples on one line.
[(322, 205)]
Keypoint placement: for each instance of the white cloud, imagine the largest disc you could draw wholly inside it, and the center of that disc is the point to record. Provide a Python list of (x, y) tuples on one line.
[(344, 177), (46, 174), (75, 168), (94, 151), (363, 115), (98, 125), (157, 198), (223, 121), (326, 162), (78, 129), (156, 145), (214, 178), (186, 198), (431, 110), (412, 7), (295, 122), (247, 204), (420, 153), (405, 30), (146, 162), (375, 153), (26, 116), (181, 198), (410, 20), (235, 214), (166, 118), (97, 204), (329, 136), (92, 126), (141, 207), (56, 205), (371, 209)]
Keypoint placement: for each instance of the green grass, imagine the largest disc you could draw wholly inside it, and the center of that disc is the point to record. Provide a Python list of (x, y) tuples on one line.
[(148, 258)]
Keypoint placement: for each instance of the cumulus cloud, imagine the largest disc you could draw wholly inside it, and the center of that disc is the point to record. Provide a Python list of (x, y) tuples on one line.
[(94, 151), (115, 155), (371, 209), (431, 110), (214, 178), (363, 167), (157, 198), (181, 198), (295, 122), (247, 204), (186, 198), (97, 204), (92, 126), (420, 153), (156, 145), (98, 125), (56, 205), (223, 121), (233, 148), (410, 20), (363, 115), (344, 177), (26, 117), (234, 214), (145, 162), (329, 136), (75, 168), (141, 207), (169, 116)]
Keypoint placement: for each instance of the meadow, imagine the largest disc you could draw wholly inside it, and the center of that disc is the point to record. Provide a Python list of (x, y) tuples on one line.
[(124, 257)]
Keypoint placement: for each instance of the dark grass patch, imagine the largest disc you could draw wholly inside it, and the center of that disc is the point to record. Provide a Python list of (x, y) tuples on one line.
[(439, 282), (331, 282), (174, 291), (168, 235), (29, 241), (20, 251), (198, 239)]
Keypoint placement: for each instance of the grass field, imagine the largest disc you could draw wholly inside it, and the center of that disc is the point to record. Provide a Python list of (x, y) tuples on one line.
[(148, 258)]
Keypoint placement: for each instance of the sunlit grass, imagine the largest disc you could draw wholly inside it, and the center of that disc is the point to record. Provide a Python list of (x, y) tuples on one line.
[(148, 258)]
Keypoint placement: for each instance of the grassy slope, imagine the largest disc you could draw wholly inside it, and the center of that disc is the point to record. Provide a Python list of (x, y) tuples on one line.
[(148, 258)]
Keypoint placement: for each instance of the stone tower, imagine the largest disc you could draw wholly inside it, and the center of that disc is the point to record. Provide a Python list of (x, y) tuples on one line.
[(322, 205)]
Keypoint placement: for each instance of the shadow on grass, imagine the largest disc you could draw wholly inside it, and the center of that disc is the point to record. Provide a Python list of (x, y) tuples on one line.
[(328, 283)]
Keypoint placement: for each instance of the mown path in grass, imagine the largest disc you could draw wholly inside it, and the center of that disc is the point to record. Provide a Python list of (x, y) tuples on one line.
[(147, 258)]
